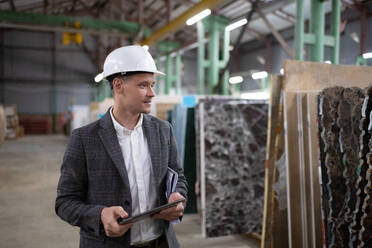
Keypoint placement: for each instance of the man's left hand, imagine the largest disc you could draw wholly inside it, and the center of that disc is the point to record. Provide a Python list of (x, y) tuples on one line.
[(172, 213)]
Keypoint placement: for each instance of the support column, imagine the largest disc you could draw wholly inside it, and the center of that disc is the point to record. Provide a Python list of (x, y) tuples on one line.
[(335, 29), (317, 28), (363, 29), (2, 65), (159, 79), (215, 26), (201, 56), (172, 79), (225, 60), (54, 93), (168, 71), (178, 73), (300, 30), (213, 51)]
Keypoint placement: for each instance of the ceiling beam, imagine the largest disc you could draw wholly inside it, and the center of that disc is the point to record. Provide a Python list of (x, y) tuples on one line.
[(12, 5), (275, 5), (255, 33), (140, 12), (283, 17), (62, 29), (180, 21), (39, 6), (45, 7), (122, 10), (276, 34)]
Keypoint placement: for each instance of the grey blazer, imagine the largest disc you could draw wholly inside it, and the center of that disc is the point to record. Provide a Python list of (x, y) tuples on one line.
[(93, 176)]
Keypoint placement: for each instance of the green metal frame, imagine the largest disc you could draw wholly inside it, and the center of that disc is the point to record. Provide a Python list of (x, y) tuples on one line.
[(103, 91), (215, 26), (131, 28), (360, 60), (159, 79), (317, 39), (172, 66)]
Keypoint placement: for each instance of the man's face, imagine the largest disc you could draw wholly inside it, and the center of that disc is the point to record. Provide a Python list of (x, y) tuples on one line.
[(136, 92)]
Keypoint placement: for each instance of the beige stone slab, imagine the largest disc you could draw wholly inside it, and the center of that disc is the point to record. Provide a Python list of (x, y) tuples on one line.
[(308, 76)]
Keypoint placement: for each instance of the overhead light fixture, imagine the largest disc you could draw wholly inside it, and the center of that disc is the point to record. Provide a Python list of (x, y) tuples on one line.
[(146, 47), (236, 80), (261, 60), (259, 75), (255, 95), (98, 78), (237, 24), (367, 55), (282, 71), (355, 37), (328, 62), (198, 17)]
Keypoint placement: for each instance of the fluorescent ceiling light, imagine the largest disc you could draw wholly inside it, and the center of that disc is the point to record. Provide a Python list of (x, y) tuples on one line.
[(198, 17), (236, 80), (328, 62), (255, 95), (259, 75), (367, 55), (355, 37), (282, 71), (98, 78), (261, 60), (146, 47), (237, 24)]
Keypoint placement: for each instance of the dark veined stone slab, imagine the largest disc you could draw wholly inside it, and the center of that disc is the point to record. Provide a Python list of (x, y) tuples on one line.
[(324, 174), (361, 181), (365, 234), (349, 116), (235, 145), (333, 163)]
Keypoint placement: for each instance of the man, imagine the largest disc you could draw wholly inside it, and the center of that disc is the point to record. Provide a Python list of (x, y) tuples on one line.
[(117, 166)]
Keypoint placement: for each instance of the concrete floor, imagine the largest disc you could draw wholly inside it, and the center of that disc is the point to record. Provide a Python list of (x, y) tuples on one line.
[(29, 172)]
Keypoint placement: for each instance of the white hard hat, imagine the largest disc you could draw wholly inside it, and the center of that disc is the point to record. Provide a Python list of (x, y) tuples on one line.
[(128, 59)]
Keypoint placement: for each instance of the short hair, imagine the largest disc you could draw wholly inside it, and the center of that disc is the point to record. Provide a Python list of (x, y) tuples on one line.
[(123, 74)]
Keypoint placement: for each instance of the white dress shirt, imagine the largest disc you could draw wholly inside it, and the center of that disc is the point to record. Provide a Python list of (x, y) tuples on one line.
[(134, 148)]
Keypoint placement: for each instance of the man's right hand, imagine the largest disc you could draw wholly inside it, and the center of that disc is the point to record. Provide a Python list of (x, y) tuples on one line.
[(109, 217)]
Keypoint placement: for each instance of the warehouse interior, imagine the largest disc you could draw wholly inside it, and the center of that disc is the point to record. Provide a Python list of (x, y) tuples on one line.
[(269, 101)]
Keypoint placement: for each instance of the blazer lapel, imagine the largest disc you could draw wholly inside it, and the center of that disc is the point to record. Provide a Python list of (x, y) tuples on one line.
[(110, 141), (151, 131)]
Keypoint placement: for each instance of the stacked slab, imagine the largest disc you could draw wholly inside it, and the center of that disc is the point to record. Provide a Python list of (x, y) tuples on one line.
[(345, 142), (232, 141)]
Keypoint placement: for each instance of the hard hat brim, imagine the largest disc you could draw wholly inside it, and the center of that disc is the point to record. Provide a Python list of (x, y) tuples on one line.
[(100, 76)]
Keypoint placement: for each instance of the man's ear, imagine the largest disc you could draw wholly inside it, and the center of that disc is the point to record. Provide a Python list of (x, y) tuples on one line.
[(117, 84)]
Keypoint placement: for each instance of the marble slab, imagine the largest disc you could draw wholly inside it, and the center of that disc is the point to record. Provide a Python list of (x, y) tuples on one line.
[(349, 116), (232, 135), (330, 135), (345, 144), (365, 233), (324, 175)]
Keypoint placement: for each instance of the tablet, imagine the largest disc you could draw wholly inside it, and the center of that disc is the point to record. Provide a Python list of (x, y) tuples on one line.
[(149, 213)]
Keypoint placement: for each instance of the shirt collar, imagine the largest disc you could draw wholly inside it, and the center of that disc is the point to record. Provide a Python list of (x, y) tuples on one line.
[(121, 130)]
